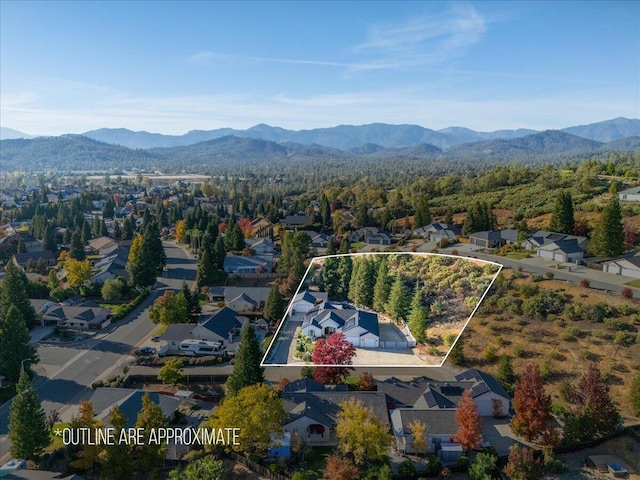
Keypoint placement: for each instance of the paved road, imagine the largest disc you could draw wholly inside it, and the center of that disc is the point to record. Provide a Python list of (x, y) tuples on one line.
[(71, 370)]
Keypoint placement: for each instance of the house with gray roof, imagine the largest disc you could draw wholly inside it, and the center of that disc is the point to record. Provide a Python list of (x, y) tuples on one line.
[(568, 250), (544, 237), (630, 195), (628, 266), (247, 265), (436, 232), (81, 316), (130, 403), (359, 327), (306, 300), (494, 238), (314, 415)]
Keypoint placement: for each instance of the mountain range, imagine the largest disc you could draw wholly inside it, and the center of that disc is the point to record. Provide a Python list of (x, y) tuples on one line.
[(370, 137)]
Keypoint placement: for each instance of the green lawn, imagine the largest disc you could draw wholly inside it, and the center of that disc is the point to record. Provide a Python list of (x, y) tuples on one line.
[(634, 283), (356, 245), (56, 442), (266, 341)]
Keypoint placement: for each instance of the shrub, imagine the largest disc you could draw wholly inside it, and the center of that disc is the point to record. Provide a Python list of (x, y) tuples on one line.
[(536, 277), (545, 370), (584, 283), (407, 467), (518, 351), (625, 339), (454, 252), (490, 354), (627, 292), (549, 275), (448, 339)]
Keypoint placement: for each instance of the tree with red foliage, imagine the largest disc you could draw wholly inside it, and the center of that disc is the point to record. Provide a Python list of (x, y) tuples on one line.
[(366, 383), (469, 434), (593, 403), (334, 351), (245, 227), (339, 468), (532, 405), (283, 383)]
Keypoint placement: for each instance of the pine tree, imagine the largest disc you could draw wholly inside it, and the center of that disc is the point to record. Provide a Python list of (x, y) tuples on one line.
[(28, 430), (86, 232), (117, 461), (469, 434), (143, 268), (344, 245), (608, 236), (77, 246), (246, 369), (382, 286), (331, 276), (206, 269), (422, 216), (149, 455), (418, 317), (362, 281), (127, 233), (49, 241), (562, 219), (506, 376), (398, 305), (219, 253), (331, 246), (88, 456), (274, 306), (532, 405), (152, 238), (345, 270), (14, 292), (15, 346), (325, 211)]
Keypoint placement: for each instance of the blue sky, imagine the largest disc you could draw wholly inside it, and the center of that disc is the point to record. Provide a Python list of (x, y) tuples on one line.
[(171, 67)]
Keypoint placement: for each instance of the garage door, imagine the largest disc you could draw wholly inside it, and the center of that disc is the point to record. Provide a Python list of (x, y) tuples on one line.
[(368, 343)]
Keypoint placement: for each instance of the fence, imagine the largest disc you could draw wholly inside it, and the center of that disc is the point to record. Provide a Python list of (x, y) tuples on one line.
[(256, 467), (395, 345)]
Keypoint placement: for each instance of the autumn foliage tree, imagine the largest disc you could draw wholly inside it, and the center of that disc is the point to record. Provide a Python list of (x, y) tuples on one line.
[(532, 405), (360, 433), (522, 465), (340, 468), (469, 434), (334, 351), (418, 432)]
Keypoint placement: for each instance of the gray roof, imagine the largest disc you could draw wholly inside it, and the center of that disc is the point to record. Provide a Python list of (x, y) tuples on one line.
[(400, 393), (237, 261), (176, 332), (324, 407), (438, 422), (222, 322), (630, 191), (366, 320), (508, 234), (565, 246), (482, 378), (130, 402), (304, 385)]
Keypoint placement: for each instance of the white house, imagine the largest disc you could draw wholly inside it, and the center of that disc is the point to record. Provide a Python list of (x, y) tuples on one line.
[(360, 328), (561, 250), (627, 267), (630, 195), (306, 300)]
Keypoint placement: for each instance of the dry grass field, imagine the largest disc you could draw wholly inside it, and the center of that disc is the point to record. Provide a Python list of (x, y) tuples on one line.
[(561, 346)]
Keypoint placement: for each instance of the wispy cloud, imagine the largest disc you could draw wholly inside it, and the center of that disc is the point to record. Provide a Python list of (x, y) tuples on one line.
[(426, 40)]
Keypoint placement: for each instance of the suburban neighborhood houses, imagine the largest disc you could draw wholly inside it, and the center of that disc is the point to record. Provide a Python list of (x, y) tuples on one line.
[(165, 292)]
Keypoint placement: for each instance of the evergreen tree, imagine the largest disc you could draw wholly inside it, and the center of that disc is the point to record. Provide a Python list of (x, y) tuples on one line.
[(345, 269), (506, 376), (344, 245), (77, 247), (117, 230), (152, 238), (422, 216), (143, 268), (448, 218), (104, 231), (331, 246), (15, 346), (22, 247), (53, 281), (456, 355), (108, 211), (28, 430), (14, 292), (635, 396), (88, 456), (192, 300), (274, 306), (325, 211), (206, 269), (355, 278), (608, 236), (246, 369), (562, 219), (364, 282), (116, 458), (296, 274), (219, 253), (85, 232), (331, 276), (49, 240), (382, 286), (128, 228), (418, 317), (398, 304), (150, 455)]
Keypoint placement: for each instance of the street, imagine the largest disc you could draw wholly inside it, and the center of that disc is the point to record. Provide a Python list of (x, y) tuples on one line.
[(69, 371)]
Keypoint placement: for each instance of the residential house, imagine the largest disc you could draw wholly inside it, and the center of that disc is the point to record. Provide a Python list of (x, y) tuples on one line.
[(23, 259), (359, 327), (223, 326), (297, 221), (262, 227), (543, 237), (314, 415), (628, 266), (630, 195), (87, 317), (562, 250), (306, 300), (436, 232), (371, 236), (261, 246), (99, 243), (318, 240), (494, 238), (441, 427), (247, 265), (240, 299), (130, 403)]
